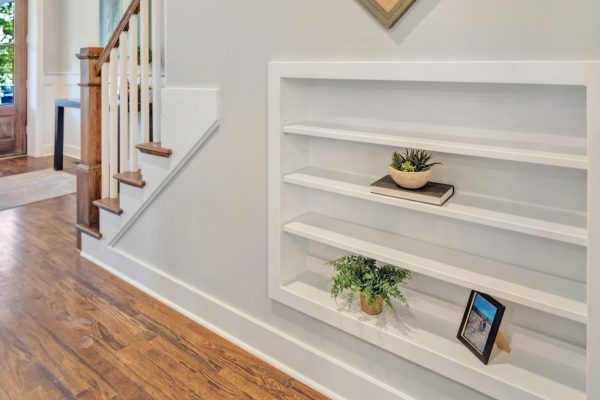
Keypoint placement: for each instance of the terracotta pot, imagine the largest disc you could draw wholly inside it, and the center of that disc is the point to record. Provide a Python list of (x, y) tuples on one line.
[(374, 309), (410, 180)]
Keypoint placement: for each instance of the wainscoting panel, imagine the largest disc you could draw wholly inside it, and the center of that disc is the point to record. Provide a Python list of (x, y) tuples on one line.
[(61, 85)]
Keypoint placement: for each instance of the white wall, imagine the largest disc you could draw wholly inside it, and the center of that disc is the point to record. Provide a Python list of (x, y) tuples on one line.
[(35, 73), (219, 245), (80, 28), (230, 31), (66, 26), (54, 48)]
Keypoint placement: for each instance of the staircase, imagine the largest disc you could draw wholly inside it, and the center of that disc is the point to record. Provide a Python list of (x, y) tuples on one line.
[(129, 155)]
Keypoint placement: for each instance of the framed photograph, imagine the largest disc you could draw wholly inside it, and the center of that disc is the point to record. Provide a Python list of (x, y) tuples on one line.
[(388, 12), (481, 324), (111, 12)]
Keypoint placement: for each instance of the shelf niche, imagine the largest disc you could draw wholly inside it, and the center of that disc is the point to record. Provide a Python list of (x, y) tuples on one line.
[(425, 333), (513, 141)]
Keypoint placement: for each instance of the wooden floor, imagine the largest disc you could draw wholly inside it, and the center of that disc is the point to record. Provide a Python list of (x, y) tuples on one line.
[(21, 165), (69, 330)]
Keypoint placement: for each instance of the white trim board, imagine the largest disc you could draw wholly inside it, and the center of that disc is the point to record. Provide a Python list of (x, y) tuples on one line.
[(579, 73), (251, 334), (295, 74), (68, 150)]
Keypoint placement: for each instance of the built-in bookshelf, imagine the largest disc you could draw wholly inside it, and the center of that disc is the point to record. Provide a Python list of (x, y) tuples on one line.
[(516, 142)]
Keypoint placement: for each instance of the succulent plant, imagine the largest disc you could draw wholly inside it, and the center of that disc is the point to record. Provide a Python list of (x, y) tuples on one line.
[(412, 160), (407, 167)]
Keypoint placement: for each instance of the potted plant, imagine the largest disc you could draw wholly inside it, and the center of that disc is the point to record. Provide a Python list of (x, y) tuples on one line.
[(375, 285), (139, 56), (411, 170)]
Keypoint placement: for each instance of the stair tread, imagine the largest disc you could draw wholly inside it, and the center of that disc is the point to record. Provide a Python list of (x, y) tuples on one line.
[(110, 205), (93, 231), (133, 178), (154, 148)]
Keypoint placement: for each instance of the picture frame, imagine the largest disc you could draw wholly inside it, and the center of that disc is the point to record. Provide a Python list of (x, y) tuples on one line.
[(480, 325), (111, 12), (388, 12)]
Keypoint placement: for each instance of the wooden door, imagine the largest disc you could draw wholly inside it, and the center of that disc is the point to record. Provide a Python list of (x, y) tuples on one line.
[(13, 77)]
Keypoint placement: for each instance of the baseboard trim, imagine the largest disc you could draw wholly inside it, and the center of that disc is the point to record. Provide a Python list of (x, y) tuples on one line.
[(238, 318), (69, 150)]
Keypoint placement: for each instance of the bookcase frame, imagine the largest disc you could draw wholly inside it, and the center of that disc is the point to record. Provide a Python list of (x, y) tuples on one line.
[(582, 74)]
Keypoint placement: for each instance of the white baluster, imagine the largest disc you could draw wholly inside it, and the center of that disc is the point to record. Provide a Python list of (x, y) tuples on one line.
[(104, 123), (157, 42), (145, 69), (114, 122), (133, 93), (124, 106)]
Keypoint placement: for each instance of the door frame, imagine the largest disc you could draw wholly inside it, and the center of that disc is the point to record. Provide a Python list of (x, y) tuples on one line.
[(20, 81)]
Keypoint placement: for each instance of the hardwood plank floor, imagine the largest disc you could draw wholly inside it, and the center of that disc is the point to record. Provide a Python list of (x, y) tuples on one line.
[(70, 330), (23, 164)]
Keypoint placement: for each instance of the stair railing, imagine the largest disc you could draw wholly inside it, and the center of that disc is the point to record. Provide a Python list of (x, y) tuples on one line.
[(116, 109)]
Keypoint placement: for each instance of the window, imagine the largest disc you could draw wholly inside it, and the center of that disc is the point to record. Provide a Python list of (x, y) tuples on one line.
[(7, 51)]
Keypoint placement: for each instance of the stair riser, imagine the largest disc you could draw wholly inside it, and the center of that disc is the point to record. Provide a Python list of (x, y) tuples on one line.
[(110, 224), (131, 199), (154, 168)]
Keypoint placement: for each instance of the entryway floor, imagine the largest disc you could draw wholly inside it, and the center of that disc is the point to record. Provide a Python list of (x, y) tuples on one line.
[(23, 164), (70, 330)]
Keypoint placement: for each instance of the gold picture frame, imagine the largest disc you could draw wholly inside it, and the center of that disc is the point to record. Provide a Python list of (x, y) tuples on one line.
[(388, 12)]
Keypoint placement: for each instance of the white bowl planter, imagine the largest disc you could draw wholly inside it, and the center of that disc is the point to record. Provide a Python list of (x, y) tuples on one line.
[(410, 180)]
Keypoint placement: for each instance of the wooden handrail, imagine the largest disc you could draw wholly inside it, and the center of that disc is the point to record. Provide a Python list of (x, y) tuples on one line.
[(133, 9)]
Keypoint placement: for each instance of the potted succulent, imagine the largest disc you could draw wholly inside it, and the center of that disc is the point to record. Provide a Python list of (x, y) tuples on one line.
[(374, 284), (411, 170)]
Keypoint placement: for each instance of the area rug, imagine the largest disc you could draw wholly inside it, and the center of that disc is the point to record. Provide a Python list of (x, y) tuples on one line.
[(21, 189)]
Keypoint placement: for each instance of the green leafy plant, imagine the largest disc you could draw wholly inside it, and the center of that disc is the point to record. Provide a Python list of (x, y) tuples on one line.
[(358, 274), (412, 161), (139, 56)]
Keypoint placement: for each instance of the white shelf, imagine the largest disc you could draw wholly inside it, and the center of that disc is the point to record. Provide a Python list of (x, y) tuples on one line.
[(332, 114), (549, 224), (548, 293), (528, 152), (539, 367)]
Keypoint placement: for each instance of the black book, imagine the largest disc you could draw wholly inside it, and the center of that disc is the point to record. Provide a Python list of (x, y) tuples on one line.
[(432, 193)]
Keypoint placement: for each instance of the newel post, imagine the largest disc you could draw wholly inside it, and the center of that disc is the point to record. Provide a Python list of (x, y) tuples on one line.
[(89, 171)]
